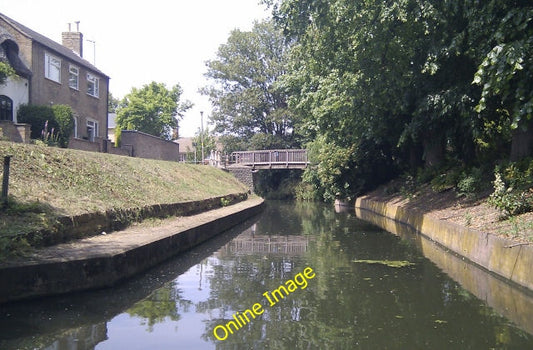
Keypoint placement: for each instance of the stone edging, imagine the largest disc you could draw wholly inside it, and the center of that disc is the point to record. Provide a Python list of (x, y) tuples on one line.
[(89, 224), (96, 270), (497, 255)]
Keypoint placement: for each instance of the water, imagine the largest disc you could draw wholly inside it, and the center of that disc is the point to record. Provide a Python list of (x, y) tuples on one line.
[(347, 303)]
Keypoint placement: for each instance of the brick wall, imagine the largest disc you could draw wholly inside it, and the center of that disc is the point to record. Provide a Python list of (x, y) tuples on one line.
[(16, 132), (148, 146), (86, 145)]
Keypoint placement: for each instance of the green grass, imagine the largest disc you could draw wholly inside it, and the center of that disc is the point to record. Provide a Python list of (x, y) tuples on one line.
[(47, 182)]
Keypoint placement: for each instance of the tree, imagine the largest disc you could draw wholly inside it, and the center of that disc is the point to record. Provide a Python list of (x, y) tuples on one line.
[(505, 70), (112, 104), (209, 142), (153, 109), (246, 94)]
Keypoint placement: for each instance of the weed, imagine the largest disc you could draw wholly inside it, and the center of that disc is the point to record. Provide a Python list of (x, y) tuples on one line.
[(468, 219)]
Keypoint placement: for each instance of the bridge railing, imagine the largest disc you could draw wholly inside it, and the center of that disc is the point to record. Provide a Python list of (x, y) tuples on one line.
[(268, 158)]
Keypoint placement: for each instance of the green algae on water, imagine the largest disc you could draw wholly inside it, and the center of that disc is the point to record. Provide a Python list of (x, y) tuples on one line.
[(389, 263)]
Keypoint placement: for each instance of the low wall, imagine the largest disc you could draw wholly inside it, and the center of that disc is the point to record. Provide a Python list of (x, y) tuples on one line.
[(91, 224), (15, 132), (148, 146), (86, 145), (97, 268), (497, 255)]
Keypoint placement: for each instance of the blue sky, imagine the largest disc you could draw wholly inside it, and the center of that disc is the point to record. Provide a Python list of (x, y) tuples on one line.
[(139, 42)]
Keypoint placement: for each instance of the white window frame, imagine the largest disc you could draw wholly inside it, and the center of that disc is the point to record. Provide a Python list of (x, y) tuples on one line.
[(91, 123), (75, 127), (52, 67), (74, 73), (95, 82)]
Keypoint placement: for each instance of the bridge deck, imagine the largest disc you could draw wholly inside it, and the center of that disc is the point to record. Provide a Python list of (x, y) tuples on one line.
[(272, 159)]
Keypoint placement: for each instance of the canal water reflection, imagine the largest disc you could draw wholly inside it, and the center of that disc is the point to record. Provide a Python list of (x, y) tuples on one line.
[(359, 298)]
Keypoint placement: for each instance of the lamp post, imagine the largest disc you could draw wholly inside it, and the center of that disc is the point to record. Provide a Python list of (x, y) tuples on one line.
[(202, 134)]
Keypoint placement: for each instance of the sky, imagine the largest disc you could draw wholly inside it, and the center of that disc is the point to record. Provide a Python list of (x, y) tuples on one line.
[(135, 43)]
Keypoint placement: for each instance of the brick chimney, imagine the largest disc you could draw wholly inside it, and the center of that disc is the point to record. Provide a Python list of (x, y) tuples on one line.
[(73, 40)]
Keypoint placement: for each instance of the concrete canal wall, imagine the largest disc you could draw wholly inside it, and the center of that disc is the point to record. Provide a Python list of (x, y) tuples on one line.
[(107, 259), (500, 256)]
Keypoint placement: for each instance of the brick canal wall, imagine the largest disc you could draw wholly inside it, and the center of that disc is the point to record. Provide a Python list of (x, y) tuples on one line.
[(500, 256)]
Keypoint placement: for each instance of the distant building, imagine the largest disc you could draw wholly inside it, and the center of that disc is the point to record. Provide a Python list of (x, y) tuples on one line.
[(111, 125), (49, 73), (186, 147)]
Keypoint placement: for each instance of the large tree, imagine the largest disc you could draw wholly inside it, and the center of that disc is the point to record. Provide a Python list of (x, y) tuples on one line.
[(245, 93), (380, 84), (153, 109)]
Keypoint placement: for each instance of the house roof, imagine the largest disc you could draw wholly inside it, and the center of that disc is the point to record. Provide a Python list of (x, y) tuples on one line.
[(9, 53), (51, 44)]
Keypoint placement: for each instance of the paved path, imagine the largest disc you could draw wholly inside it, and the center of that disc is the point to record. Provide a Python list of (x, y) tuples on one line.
[(105, 259)]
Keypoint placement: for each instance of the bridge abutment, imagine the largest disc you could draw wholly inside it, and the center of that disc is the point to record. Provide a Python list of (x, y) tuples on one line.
[(244, 175)]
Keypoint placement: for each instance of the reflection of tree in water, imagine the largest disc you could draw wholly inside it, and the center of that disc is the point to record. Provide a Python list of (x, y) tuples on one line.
[(347, 305), (163, 303)]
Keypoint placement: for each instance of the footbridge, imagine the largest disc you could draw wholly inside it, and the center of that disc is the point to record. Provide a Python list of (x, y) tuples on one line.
[(271, 159)]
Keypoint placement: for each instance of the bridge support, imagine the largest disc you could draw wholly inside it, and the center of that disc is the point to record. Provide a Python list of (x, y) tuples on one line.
[(243, 174)]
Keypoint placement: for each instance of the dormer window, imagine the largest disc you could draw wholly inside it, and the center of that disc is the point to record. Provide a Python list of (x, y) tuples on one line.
[(52, 67)]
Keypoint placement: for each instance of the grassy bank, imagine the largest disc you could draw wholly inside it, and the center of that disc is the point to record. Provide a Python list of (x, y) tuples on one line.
[(47, 182)]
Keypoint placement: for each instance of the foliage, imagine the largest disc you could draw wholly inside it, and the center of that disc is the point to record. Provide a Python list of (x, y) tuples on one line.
[(513, 188), (209, 142), (248, 100), (37, 117), (472, 182), (406, 83), (64, 118), (152, 109), (112, 104), (53, 125), (5, 71), (506, 71)]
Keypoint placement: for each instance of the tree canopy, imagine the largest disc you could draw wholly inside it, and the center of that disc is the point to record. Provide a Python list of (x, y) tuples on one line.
[(378, 88), (153, 109), (245, 93)]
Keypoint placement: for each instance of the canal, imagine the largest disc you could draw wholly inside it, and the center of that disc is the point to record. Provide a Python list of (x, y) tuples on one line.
[(299, 276)]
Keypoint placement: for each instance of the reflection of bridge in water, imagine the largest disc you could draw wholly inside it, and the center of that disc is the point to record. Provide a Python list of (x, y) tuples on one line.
[(249, 243)]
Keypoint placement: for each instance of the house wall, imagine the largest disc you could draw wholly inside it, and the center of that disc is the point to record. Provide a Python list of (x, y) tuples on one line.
[(16, 88), (148, 146), (48, 92)]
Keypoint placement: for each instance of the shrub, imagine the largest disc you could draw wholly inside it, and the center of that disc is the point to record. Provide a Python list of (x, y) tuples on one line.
[(56, 122), (37, 117), (507, 200), (471, 182), (65, 121)]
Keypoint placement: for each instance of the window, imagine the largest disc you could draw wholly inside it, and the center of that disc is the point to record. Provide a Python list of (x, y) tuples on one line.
[(52, 67), (92, 130), (75, 131), (73, 77), (6, 108), (93, 85)]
